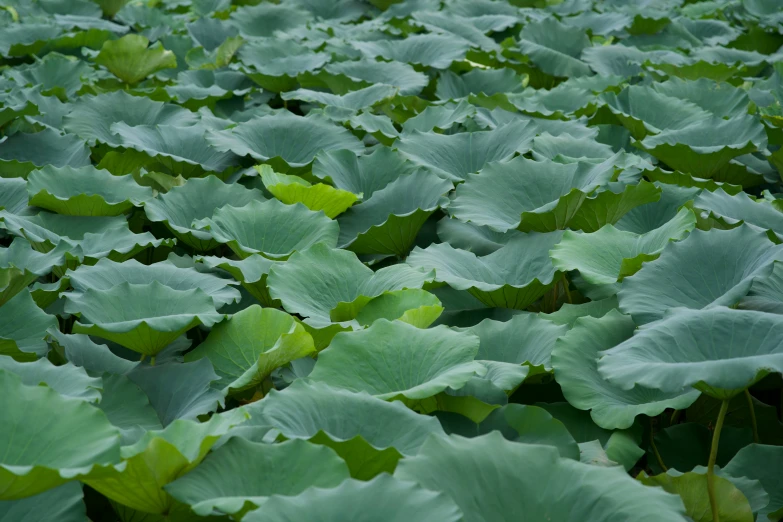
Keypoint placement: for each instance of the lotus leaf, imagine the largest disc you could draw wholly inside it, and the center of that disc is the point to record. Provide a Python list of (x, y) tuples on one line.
[(362, 175), (354, 100), (574, 359), (723, 279), (23, 328), (84, 191), (67, 380), (174, 396), (384, 499), (431, 50), (457, 155), (147, 319), (291, 141), (92, 116), (515, 287), (274, 64), (64, 503), (477, 81), (22, 152), (538, 196), (608, 255), (106, 274), (49, 439), (366, 71), (755, 461), (197, 199), (719, 351), (315, 281), (390, 351), (273, 260), (388, 222), (233, 494), (247, 347), (21, 265), (293, 189), (130, 60), (270, 228), (369, 433), (547, 487), (554, 47), (157, 459)]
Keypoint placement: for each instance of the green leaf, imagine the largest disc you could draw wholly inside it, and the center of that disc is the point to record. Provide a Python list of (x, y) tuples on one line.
[(64, 503), (525, 424), (21, 265), (197, 199), (370, 434), (84, 191), (220, 483), (107, 274), (49, 439), (381, 361), (759, 462), (523, 339), (68, 380), (246, 348), (274, 64), (740, 208), (130, 60), (705, 148), (692, 488), (555, 48), (457, 155), (354, 100), (92, 116), (574, 359), (183, 151), (719, 351), (526, 273), (22, 153), (430, 50), (252, 272), (531, 479), (270, 228), (293, 189), (361, 175), (284, 140), (389, 220), (412, 306), (142, 317), (539, 196), (602, 257), (179, 390), (366, 71), (382, 499), (709, 268), (313, 282), (157, 459), (23, 328), (477, 81)]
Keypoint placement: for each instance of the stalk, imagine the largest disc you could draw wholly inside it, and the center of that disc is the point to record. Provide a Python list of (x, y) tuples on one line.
[(724, 407), (752, 417), (655, 448)]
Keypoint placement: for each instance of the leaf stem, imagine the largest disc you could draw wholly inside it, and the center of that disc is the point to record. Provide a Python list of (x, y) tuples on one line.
[(655, 448), (143, 356), (567, 291), (752, 416), (724, 407), (152, 361)]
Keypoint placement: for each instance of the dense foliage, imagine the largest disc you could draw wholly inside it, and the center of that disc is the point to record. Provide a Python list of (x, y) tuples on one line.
[(379, 261)]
